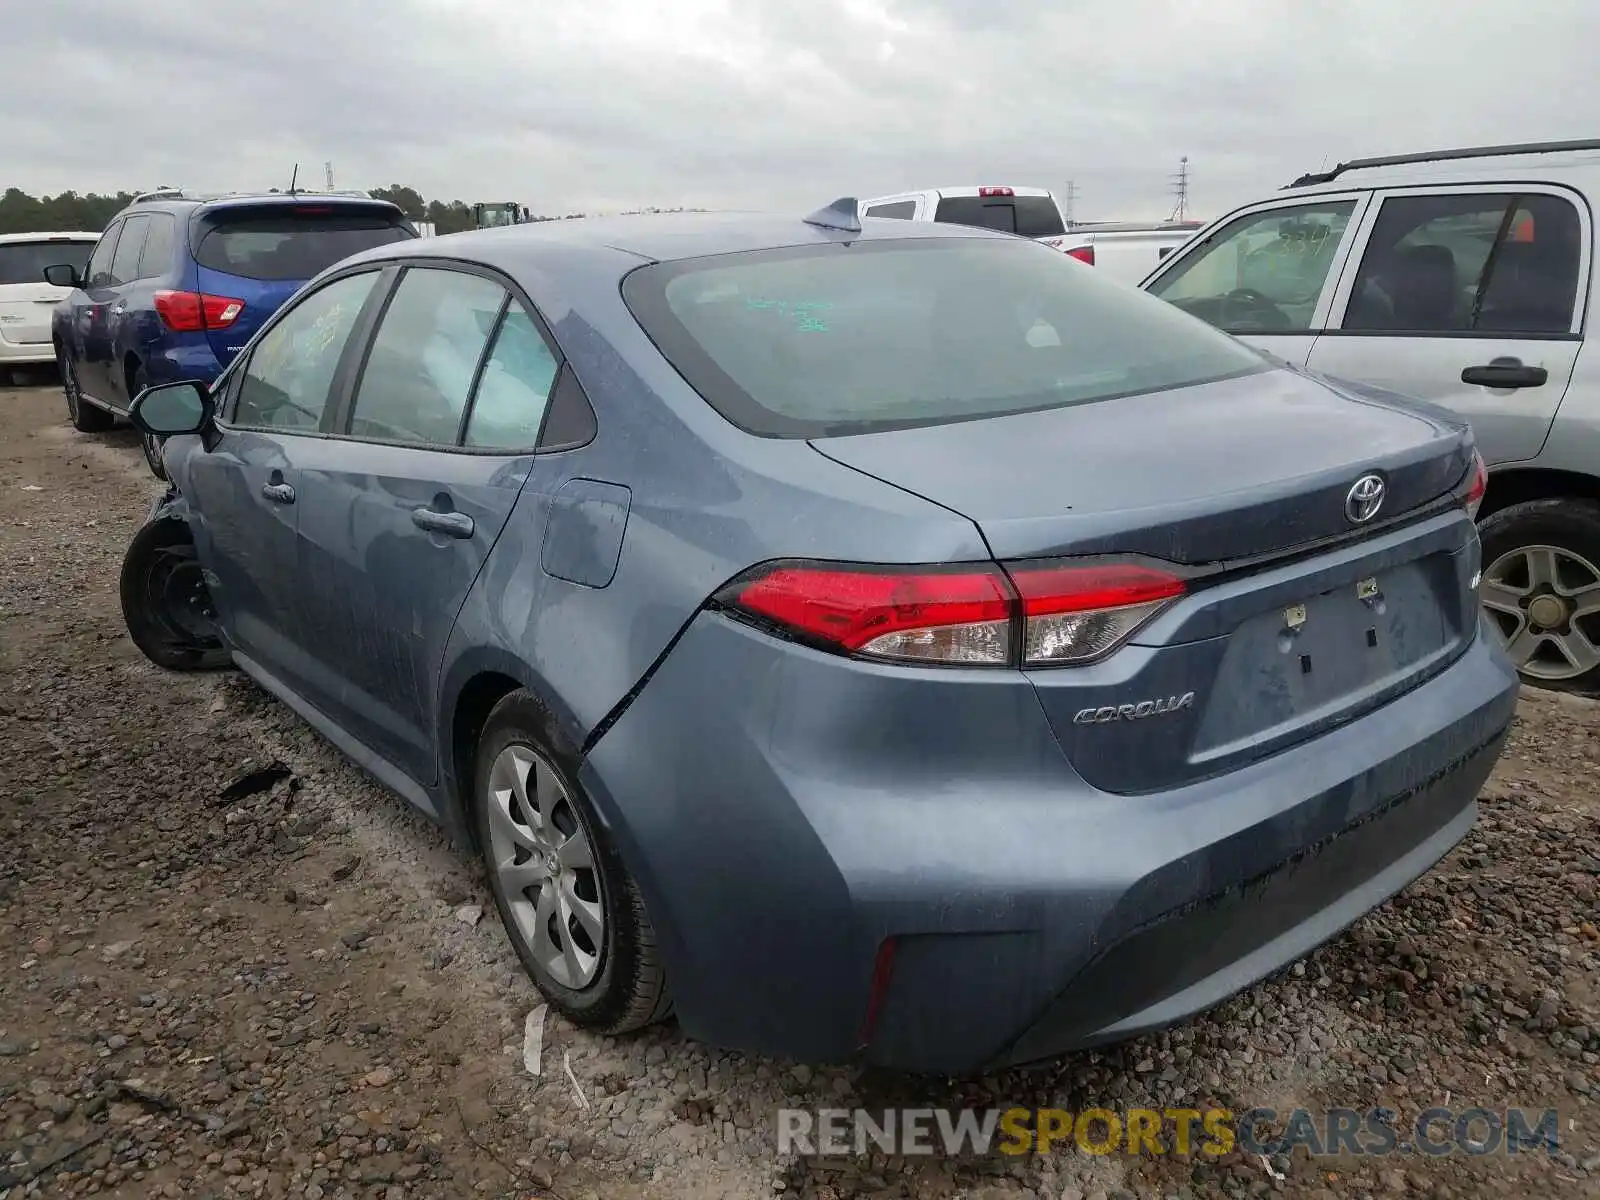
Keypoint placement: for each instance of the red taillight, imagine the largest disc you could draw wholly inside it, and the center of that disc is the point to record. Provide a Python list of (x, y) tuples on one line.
[(920, 615), (1084, 254), (1478, 486), (1057, 613), (882, 971), (996, 191), (193, 312)]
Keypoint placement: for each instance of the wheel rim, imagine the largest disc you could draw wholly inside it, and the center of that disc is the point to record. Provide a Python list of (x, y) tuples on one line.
[(152, 454), (545, 865), (1544, 601), (69, 385), (178, 599)]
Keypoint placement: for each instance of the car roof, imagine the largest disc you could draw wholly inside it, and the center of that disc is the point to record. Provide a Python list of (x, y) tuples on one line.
[(655, 237), (80, 236), (223, 201)]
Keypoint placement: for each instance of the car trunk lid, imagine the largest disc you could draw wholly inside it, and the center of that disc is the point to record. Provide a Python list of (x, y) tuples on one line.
[(1296, 618)]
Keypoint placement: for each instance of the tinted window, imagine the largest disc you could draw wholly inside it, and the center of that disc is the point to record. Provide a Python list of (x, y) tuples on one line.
[(419, 372), (156, 259), (285, 384), (900, 210), (290, 247), (99, 272), (125, 266), (514, 388), (1031, 216), (838, 339), (1469, 263), (24, 262), (1262, 273)]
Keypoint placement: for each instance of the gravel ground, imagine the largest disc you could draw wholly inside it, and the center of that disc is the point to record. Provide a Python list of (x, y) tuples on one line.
[(297, 993)]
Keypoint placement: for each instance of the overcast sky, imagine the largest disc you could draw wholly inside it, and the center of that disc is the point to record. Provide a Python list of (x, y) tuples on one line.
[(606, 104)]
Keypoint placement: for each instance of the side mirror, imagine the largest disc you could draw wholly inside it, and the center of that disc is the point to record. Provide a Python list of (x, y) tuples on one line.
[(170, 409), (63, 275)]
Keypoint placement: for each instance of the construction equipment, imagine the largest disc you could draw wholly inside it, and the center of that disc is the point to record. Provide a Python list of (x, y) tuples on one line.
[(492, 216)]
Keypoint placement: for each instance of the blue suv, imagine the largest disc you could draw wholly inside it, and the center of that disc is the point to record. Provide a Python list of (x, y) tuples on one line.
[(179, 283)]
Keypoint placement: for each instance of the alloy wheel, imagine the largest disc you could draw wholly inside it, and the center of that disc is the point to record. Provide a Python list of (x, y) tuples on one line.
[(1545, 603), (546, 867)]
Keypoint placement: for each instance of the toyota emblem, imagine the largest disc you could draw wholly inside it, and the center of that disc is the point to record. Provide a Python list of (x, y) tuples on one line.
[(1364, 499)]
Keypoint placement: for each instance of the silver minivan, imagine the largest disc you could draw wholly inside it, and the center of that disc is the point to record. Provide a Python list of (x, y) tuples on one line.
[(1460, 277)]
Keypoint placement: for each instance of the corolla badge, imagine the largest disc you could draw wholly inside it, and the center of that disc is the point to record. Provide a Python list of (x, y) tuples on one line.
[(1364, 499), (1133, 712)]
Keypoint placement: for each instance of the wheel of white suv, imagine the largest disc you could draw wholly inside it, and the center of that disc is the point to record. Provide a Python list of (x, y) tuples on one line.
[(1541, 590), (570, 908)]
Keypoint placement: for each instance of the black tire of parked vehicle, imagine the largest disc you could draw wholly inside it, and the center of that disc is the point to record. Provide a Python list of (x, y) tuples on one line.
[(150, 444), (86, 417), (1571, 525), (165, 602), (629, 991)]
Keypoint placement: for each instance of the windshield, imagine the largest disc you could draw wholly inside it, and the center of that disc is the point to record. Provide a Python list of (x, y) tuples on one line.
[(292, 247), (24, 262), (851, 338)]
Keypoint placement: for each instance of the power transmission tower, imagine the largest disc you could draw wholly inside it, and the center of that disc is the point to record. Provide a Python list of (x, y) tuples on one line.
[(1180, 189), (327, 169), (1072, 201)]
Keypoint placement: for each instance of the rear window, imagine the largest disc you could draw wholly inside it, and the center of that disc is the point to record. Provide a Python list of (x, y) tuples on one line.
[(838, 339), (1031, 216), (24, 262), (270, 246)]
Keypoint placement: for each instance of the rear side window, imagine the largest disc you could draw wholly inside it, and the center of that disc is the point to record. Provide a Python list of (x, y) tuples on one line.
[(899, 210), (24, 262), (840, 339), (1031, 216), (1463, 263), (268, 246), (424, 358), (156, 259), (514, 389), (125, 266)]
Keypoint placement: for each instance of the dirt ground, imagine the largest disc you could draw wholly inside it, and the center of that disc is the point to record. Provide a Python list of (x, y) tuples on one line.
[(296, 992)]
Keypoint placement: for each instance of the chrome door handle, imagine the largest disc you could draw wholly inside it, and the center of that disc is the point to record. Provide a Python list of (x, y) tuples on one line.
[(451, 524)]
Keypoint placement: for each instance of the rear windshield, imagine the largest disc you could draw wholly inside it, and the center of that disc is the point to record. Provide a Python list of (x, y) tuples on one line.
[(835, 339), (24, 262), (1031, 216), (291, 247)]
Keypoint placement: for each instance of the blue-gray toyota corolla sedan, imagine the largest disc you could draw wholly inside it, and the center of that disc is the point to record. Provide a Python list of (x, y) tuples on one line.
[(864, 640)]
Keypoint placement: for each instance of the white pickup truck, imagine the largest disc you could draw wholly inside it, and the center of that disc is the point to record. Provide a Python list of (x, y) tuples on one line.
[(1125, 250)]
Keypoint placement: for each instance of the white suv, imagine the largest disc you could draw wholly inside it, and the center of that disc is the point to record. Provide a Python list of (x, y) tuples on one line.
[(1460, 277), (26, 300)]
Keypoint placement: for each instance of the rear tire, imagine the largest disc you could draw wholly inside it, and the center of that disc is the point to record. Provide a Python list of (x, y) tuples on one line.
[(86, 417), (1541, 590), (573, 913), (165, 601)]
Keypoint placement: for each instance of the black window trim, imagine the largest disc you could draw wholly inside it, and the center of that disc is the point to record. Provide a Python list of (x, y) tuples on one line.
[(1512, 189), (346, 398), (241, 363)]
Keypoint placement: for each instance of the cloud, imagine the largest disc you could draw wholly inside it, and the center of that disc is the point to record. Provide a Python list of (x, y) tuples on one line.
[(618, 103)]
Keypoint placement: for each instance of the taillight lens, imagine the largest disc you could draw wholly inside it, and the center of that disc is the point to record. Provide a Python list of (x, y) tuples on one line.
[(956, 616), (193, 312), (1084, 254), (1054, 613), (1478, 486), (1076, 614)]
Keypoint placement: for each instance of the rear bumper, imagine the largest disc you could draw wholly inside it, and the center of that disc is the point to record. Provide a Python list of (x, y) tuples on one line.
[(785, 812)]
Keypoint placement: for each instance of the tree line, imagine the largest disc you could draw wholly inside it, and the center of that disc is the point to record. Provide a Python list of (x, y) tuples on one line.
[(71, 212)]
